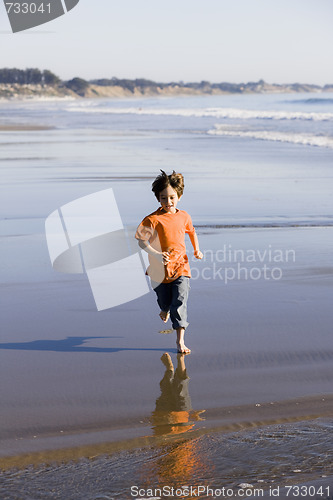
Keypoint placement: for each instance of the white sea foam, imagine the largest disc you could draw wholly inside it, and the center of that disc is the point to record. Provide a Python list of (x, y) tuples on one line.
[(38, 98), (306, 139), (233, 113)]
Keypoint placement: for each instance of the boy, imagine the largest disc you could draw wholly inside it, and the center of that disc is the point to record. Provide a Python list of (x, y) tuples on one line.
[(162, 235)]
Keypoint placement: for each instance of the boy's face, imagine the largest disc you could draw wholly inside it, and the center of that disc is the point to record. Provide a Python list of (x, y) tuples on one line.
[(169, 199)]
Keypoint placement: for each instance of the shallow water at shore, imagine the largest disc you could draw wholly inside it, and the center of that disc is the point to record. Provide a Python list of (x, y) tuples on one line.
[(258, 461)]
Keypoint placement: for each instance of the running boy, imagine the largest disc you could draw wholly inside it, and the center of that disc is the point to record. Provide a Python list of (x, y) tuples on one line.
[(162, 235)]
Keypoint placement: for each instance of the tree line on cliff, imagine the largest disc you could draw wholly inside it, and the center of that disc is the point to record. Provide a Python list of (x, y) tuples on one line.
[(34, 76), (28, 76)]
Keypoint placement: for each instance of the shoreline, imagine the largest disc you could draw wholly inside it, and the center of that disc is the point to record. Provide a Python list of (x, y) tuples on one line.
[(67, 446), (24, 128), (30, 92)]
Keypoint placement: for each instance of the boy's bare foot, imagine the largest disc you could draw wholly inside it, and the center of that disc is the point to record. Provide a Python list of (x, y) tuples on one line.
[(164, 315), (166, 360), (182, 349)]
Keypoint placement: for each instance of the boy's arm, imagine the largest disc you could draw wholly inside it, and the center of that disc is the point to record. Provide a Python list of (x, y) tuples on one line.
[(195, 243), (161, 256)]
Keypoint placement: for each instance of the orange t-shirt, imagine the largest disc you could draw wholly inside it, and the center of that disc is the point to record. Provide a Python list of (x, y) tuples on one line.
[(165, 232)]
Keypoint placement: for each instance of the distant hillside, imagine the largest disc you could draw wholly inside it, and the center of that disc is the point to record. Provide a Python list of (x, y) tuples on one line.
[(32, 82)]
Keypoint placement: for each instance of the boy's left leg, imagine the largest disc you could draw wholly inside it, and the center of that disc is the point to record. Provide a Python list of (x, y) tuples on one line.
[(181, 347), (178, 310)]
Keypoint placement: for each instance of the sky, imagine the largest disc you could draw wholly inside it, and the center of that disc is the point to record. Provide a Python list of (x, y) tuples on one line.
[(279, 41)]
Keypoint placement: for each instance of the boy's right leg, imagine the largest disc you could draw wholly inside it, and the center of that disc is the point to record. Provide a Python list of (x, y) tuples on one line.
[(164, 296), (181, 347)]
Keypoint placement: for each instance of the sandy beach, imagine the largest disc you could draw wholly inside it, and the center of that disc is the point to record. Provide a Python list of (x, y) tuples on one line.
[(18, 128), (100, 381), (82, 390)]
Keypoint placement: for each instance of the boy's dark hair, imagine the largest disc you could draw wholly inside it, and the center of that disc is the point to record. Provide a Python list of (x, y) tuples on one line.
[(162, 181)]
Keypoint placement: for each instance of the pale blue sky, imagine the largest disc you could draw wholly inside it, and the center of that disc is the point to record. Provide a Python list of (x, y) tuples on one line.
[(217, 40)]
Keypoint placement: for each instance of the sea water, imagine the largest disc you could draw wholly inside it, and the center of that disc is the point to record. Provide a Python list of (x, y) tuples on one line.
[(262, 157), (258, 177)]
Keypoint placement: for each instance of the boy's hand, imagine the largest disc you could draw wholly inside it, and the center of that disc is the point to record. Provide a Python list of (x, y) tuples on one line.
[(163, 257), (198, 254)]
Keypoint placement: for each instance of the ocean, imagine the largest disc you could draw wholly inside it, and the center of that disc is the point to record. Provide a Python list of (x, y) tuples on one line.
[(279, 145), (80, 388)]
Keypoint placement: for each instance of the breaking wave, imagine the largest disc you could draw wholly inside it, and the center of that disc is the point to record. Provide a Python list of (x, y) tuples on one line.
[(312, 100), (305, 139), (231, 113)]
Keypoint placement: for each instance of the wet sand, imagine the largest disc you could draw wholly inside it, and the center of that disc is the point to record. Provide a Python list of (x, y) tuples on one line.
[(87, 378), (81, 390), (23, 127), (75, 444)]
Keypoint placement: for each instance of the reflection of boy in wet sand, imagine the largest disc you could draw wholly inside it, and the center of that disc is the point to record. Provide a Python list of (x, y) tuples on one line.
[(162, 235), (179, 460), (173, 413)]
